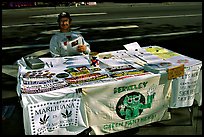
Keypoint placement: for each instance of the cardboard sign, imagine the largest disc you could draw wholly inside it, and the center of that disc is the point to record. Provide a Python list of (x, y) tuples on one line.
[(175, 72)]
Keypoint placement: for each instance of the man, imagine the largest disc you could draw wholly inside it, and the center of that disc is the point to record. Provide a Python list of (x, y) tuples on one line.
[(66, 42)]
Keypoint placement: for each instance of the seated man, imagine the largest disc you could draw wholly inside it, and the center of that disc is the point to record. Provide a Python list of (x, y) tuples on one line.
[(66, 42)]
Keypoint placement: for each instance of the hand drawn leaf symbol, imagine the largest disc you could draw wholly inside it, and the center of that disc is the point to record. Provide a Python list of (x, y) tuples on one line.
[(41, 121), (69, 114), (64, 115), (44, 118), (47, 118), (66, 112)]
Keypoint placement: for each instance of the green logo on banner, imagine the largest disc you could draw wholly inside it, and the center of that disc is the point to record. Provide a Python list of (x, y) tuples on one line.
[(132, 104)]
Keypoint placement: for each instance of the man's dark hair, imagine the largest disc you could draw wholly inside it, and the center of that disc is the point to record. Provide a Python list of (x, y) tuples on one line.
[(64, 14)]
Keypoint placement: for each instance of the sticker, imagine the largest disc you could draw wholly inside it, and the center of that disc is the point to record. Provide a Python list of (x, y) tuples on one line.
[(175, 72), (62, 75)]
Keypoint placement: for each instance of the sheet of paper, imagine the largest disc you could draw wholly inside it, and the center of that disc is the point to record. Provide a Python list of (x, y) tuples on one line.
[(132, 46), (82, 60), (182, 59), (114, 62)]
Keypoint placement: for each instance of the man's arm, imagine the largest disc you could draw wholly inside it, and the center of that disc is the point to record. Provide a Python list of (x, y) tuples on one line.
[(88, 50), (54, 47)]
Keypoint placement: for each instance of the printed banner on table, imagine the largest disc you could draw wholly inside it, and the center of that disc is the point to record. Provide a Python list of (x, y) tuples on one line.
[(198, 92), (48, 116), (123, 105), (184, 88), (63, 115)]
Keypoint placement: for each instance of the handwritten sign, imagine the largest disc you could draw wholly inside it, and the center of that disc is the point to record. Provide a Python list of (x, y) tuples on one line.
[(175, 72)]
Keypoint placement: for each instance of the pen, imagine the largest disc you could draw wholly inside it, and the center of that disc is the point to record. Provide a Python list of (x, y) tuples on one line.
[(47, 65), (51, 64)]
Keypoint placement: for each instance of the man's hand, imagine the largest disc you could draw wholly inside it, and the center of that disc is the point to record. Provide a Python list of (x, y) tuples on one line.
[(81, 48)]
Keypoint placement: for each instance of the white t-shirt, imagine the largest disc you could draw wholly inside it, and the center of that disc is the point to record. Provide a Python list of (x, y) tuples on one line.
[(65, 44)]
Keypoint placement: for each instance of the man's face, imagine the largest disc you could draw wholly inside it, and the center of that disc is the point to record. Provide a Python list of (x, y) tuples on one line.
[(64, 23)]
